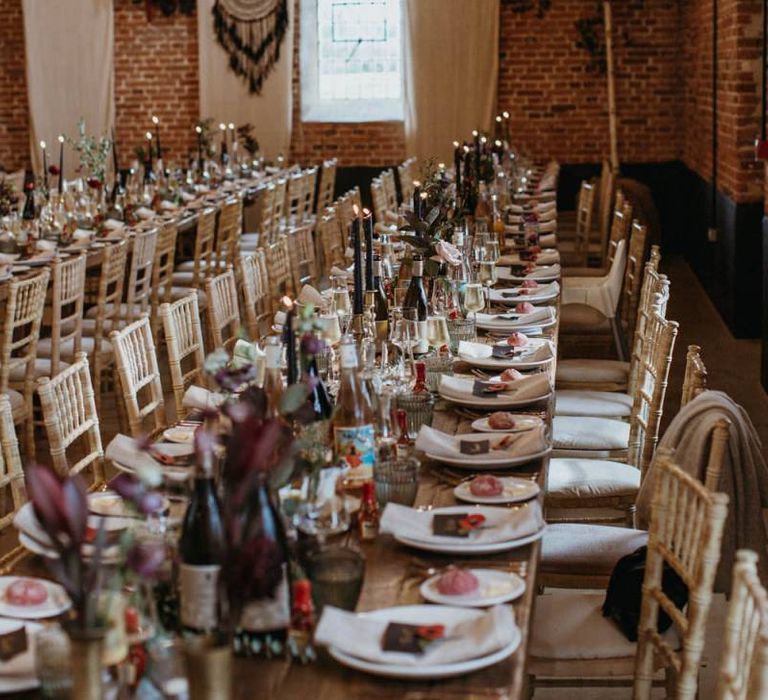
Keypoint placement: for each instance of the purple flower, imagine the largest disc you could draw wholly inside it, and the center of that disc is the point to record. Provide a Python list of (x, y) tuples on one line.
[(145, 558), (60, 504), (127, 486), (311, 344)]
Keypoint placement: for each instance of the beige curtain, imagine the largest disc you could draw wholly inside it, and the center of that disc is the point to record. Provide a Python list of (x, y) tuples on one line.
[(224, 96), (451, 65), (69, 52)]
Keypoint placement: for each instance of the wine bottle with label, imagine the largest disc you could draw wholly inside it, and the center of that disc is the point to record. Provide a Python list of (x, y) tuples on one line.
[(353, 420), (416, 299), (202, 551)]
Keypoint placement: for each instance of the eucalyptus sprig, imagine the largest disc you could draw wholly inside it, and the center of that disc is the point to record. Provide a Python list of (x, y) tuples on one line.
[(93, 153)]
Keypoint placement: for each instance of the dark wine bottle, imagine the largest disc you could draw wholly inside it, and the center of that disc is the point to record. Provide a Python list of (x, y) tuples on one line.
[(416, 299), (380, 307)]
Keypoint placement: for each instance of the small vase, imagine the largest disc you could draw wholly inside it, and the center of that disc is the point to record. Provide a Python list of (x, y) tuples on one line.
[(209, 672), (85, 651)]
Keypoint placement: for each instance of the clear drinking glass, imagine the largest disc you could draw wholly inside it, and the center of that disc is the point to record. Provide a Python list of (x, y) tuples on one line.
[(53, 663), (461, 329), (337, 575), (437, 332), (436, 366), (474, 298), (487, 275), (418, 410), (396, 481)]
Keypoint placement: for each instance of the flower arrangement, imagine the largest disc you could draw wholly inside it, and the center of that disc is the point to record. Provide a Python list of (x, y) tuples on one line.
[(93, 153), (8, 197), (246, 137)]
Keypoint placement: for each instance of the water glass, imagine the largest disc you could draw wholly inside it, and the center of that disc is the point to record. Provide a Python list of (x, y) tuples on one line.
[(53, 662), (418, 410), (336, 574), (436, 366), (461, 329), (396, 481)]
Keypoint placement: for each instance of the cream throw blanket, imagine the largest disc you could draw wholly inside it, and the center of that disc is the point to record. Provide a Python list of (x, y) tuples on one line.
[(744, 475)]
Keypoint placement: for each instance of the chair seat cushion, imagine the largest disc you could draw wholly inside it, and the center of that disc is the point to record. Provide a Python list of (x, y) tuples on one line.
[(589, 433), (603, 404), (590, 478), (570, 625), (67, 348), (42, 369), (122, 311), (181, 292), (582, 318), (589, 371), (189, 266), (18, 405)]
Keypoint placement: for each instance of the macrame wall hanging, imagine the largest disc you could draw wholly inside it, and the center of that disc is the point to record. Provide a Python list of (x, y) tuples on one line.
[(251, 32)]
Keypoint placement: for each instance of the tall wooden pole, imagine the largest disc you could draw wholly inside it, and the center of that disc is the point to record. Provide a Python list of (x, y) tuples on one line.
[(608, 21)]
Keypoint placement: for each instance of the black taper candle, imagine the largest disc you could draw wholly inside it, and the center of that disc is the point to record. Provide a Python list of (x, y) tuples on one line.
[(159, 151), (357, 303), (368, 223), (45, 164), (199, 131), (416, 198), (292, 369), (61, 163)]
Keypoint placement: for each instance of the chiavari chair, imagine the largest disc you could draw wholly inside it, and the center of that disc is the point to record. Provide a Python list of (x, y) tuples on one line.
[(613, 375), (222, 312), (390, 190), (228, 231), (327, 185), (579, 245), (139, 375), (184, 343), (744, 664), (256, 297), (604, 204), (306, 212), (279, 270), (355, 199), (695, 378), (192, 274), (64, 313), (162, 270), (302, 253), (329, 237), (406, 177), (279, 211), (574, 644), (379, 200), (69, 414), (294, 198), (20, 332), (266, 205), (11, 480)]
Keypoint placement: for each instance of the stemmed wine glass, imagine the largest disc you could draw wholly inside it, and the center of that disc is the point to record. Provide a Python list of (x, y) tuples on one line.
[(437, 332), (474, 298), (341, 303), (405, 334), (487, 275)]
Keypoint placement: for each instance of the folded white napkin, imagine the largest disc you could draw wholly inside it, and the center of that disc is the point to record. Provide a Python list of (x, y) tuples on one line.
[(529, 387), (544, 290), (114, 224), (124, 450), (440, 444), (541, 315), (44, 246), (309, 295), (245, 353), (8, 258), (165, 205), (548, 240), (540, 272), (546, 257), (200, 398), (501, 524), (339, 272), (361, 636), (145, 213), (534, 351), (82, 235)]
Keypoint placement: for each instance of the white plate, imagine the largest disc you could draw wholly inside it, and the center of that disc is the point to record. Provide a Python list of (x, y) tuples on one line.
[(467, 550), (533, 297), (476, 463), (426, 614), (495, 587), (18, 674), (500, 401), (511, 326), (21, 268), (522, 423), (180, 435), (55, 604), (516, 490), (505, 363)]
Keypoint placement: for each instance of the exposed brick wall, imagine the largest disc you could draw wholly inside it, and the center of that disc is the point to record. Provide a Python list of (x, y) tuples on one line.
[(155, 73), (14, 112), (559, 106)]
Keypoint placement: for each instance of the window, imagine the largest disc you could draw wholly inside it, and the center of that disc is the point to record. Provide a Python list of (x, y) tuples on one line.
[(351, 60)]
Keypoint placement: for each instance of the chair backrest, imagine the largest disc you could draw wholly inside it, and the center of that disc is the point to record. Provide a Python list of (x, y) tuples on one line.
[(184, 342), (228, 232), (620, 226), (327, 185), (66, 300), (686, 530), (222, 312), (650, 390), (390, 189), (279, 268), (615, 277), (695, 378), (744, 663), (140, 383), (266, 204), (633, 277), (605, 202), (69, 413), (584, 208), (11, 472), (162, 268), (205, 242), (20, 329), (307, 205), (139, 287), (331, 246), (255, 285), (302, 252), (405, 174), (294, 197), (379, 199), (279, 211)]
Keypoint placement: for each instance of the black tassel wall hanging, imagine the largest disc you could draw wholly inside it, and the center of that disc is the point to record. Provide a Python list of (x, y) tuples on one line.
[(251, 32)]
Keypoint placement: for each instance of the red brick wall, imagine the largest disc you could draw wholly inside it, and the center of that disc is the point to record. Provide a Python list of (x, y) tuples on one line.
[(559, 107), (14, 113), (155, 73)]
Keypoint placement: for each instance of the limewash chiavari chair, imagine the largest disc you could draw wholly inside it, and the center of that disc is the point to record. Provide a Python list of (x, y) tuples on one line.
[(390, 189), (614, 375), (327, 185), (695, 378), (69, 413), (279, 211), (294, 197), (228, 231), (223, 312), (255, 285), (184, 343), (192, 274), (307, 205), (19, 334), (266, 204), (379, 200), (302, 253), (331, 243), (11, 480), (140, 385), (162, 270), (604, 204), (279, 270), (744, 663), (578, 246), (574, 645), (406, 176), (64, 312)]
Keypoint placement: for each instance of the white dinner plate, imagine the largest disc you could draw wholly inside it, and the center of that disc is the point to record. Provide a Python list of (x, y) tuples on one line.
[(499, 363), (55, 604), (18, 674), (182, 435), (426, 614), (547, 276), (510, 325), (480, 462), (500, 401), (20, 268), (495, 587), (523, 422), (468, 550), (497, 298), (516, 490)]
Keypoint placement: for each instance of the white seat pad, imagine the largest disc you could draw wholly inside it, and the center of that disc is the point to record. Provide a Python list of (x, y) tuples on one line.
[(584, 478), (589, 433), (587, 549), (184, 279), (122, 311), (42, 369), (18, 406), (570, 625), (67, 348), (591, 371), (605, 404)]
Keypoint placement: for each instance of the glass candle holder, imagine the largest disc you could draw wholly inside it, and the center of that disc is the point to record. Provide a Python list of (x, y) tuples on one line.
[(396, 481), (418, 410)]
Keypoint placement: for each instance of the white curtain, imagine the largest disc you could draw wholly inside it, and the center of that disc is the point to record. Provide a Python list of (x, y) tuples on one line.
[(225, 97), (69, 52), (451, 66)]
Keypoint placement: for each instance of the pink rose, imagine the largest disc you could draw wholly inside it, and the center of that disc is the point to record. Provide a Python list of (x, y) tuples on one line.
[(529, 284), (511, 375), (524, 307), (517, 340)]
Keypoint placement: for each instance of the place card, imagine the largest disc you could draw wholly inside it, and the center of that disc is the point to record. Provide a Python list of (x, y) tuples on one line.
[(487, 389), (502, 352), (410, 639), (13, 643), (474, 447), (456, 524)]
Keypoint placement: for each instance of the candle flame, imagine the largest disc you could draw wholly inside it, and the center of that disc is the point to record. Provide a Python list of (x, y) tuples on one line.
[(423, 195), (475, 132), (231, 125), (466, 149), (149, 136), (61, 138), (497, 142), (366, 212), (155, 120), (286, 301), (505, 114), (483, 139), (222, 126), (455, 144), (42, 145), (416, 183), (356, 209), (199, 129), (441, 166), (498, 118)]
